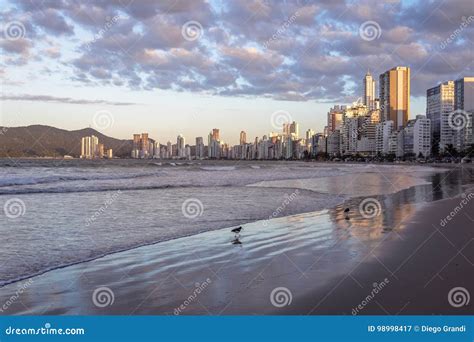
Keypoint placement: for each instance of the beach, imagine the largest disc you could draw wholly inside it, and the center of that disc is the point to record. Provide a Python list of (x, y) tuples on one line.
[(317, 242)]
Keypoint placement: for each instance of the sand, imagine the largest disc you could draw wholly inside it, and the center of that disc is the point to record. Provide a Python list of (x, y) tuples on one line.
[(314, 263)]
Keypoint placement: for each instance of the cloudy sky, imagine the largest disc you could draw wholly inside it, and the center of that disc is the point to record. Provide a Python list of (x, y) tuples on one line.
[(171, 66)]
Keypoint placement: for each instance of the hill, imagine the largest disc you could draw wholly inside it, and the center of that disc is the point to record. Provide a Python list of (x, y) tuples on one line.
[(47, 141)]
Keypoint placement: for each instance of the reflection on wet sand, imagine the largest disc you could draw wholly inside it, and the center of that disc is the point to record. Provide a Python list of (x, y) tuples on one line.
[(303, 253)]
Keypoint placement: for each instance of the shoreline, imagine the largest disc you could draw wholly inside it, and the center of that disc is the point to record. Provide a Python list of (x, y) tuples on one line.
[(345, 197), (104, 265), (419, 269)]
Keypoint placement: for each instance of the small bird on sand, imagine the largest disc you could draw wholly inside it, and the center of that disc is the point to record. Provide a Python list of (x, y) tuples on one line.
[(236, 230), (346, 210)]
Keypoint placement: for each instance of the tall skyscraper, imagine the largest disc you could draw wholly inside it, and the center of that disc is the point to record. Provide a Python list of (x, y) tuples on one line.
[(142, 147), (295, 130), (394, 85), (215, 134), (243, 138), (90, 147), (200, 148), (335, 116), (181, 146), (439, 104), (369, 91), (213, 145), (464, 102), (464, 94)]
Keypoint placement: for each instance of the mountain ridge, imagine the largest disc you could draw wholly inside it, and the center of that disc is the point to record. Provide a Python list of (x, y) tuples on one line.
[(49, 141)]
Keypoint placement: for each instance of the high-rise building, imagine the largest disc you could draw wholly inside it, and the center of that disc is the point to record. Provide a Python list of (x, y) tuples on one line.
[(90, 147), (422, 136), (214, 146), (394, 86), (335, 115), (142, 148), (243, 138), (464, 105), (369, 91), (286, 128), (101, 151), (294, 130), (383, 131), (169, 150), (439, 104), (181, 146), (200, 148), (215, 134)]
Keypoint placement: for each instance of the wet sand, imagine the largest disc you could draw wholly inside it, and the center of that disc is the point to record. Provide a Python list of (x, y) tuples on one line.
[(326, 262), (423, 262)]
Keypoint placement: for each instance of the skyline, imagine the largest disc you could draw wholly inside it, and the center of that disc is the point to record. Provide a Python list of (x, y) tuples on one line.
[(148, 66)]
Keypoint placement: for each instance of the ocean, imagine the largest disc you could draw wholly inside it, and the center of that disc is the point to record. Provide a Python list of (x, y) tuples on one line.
[(63, 212)]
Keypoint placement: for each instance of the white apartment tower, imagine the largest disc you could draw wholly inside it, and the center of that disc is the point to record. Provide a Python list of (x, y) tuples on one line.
[(369, 91)]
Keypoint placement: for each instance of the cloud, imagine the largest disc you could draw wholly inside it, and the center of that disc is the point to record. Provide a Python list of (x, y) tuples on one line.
[(296, 50), (67, 100)]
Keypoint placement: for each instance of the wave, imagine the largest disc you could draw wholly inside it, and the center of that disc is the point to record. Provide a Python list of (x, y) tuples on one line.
[(5, 182), (231, 224), (101, 189), (218, 168)]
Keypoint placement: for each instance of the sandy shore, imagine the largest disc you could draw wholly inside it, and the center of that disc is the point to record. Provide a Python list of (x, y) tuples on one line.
[(323, 262), (427, 257)]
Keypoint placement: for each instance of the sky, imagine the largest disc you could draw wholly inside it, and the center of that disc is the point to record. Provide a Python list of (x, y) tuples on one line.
[(174, 67)]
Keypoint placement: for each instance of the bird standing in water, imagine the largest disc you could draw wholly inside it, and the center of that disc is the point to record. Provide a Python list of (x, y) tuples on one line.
[(237, 230)]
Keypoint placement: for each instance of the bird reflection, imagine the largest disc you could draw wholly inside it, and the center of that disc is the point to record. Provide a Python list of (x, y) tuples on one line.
[(236, 241)]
